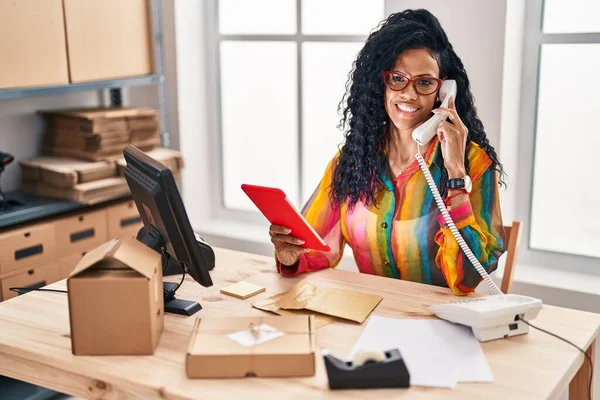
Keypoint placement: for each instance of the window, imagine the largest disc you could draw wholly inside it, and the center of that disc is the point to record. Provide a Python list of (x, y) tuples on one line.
[(559, 127), (279, 78)]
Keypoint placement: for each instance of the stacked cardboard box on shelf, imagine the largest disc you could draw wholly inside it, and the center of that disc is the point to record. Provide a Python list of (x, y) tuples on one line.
[(84, 153), (100, 133), (88, 182)]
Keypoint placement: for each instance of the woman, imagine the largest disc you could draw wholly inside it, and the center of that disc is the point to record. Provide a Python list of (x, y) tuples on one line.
[(374, 197)]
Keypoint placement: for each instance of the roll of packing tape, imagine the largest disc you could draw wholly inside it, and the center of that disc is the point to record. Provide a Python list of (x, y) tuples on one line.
[(363, 356)]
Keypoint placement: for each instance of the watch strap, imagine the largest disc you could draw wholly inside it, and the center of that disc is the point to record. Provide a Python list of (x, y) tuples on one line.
[(455, 183)]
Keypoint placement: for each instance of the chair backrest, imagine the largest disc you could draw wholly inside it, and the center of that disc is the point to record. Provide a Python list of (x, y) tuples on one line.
[(512, 237)]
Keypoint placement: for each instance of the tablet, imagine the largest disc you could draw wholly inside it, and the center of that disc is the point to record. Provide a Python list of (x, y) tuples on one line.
[(275, 205)]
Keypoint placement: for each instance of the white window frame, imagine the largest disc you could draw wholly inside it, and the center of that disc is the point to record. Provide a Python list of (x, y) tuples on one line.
[(214, 38), (534, 38)]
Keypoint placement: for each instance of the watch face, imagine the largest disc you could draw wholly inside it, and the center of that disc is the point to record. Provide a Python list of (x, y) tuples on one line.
[(468, 184)]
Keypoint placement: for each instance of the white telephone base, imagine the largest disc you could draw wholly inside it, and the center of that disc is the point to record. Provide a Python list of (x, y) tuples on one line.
[(491, 317)]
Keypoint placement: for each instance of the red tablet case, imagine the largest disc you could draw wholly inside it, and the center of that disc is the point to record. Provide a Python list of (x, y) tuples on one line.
[(274, 205)]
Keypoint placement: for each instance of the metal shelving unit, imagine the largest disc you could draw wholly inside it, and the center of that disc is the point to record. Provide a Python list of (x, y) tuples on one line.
[(115, 85), (37, 91), (38, 209)]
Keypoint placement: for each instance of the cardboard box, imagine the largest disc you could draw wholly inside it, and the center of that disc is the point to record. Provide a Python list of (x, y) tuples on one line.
[(32, 48), (65, 172), (109, 154), (112, 134), (144, 124), (88, 193), (83, 126), (123, 220), (116, 300), (97, 120), (108, 39), (80, 232), (23, 248), (171, 159), (212, 354), (142, 137), (97, 143), (36, 277)]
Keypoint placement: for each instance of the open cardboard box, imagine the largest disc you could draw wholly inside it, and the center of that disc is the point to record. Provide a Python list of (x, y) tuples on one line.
[(116, 300), (212, 354)]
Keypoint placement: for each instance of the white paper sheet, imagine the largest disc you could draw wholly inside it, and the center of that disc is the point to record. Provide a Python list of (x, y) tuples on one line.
[(262, 333), (437, 353)]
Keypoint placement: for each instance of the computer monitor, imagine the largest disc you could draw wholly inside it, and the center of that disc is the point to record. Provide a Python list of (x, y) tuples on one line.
[(162, 211)]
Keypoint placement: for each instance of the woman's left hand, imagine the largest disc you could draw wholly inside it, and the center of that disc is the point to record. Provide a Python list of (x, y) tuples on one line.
[(453, 138)]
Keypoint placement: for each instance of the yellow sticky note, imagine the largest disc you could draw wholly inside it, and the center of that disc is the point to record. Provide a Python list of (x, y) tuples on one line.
[(243, 290)]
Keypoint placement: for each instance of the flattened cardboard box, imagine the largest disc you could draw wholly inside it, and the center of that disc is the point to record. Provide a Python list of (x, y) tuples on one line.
[(171, 159), (143, 124), (104, 113), (97, 119), (65, 172), (211, 354), (88, 193), (113, 134), (108, 153), (64, 139), (116, 300)]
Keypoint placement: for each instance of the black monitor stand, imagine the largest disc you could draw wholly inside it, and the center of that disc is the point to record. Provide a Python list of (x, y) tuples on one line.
[(170, 266), (178, 306), (173, 305)]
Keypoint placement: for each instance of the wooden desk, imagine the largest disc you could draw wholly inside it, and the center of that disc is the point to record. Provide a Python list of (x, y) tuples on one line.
[(35, 345)]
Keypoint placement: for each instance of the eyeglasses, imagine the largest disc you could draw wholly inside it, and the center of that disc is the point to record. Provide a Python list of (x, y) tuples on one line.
[(423, 85)]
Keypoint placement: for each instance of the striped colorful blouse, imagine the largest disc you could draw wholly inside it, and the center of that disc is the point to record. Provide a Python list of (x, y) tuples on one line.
[(403, 236)]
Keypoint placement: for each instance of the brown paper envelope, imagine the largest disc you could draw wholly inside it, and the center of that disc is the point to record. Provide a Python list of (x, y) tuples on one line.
[(269, 305), (340, 303)]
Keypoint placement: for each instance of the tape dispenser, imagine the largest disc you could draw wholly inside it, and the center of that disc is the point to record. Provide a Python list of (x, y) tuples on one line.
[(369, 369)]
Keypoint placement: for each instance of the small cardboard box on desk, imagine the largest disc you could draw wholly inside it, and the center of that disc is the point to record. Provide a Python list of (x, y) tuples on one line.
[(116, 300), (238, 347)]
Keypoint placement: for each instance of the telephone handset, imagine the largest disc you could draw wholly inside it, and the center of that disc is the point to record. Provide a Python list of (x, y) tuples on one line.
[(425, 132), (496, 318)]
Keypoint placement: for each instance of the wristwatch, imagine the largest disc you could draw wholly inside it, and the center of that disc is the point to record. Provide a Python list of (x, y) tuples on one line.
[(460, 183)]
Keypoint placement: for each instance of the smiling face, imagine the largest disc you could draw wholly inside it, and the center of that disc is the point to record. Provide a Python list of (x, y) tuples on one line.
[(407, 108)]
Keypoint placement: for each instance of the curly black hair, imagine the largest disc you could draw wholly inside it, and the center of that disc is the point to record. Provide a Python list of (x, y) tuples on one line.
[(362, 158)]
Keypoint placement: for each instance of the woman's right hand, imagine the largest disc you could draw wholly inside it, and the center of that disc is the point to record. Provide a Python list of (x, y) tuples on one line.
[(287, 247)]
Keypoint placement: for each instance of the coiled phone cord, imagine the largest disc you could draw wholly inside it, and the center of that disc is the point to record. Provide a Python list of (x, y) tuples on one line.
[(461, 242)]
